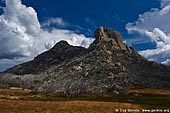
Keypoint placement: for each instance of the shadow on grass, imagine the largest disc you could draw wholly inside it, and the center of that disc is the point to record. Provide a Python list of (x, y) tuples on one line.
[(144, 100)]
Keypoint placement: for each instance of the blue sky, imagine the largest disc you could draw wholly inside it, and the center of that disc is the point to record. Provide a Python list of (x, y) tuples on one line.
[(89, 14), (30, 27)]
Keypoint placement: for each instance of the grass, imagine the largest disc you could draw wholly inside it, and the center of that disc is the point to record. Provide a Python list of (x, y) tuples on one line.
[(108, 103), (10, 106), (144, 100)]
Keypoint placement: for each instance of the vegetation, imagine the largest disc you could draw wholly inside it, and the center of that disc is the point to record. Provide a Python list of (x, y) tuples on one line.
[(25, 101), (68, 79)]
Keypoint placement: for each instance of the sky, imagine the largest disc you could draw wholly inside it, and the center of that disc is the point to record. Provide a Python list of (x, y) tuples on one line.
[(30, 27)]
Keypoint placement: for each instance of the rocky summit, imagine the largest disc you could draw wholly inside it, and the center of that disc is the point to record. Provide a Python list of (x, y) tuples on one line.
[(108, 65)]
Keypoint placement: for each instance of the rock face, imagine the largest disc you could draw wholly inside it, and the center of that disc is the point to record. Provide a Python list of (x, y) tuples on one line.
[(115, 39), (111, 39), (107, 65)]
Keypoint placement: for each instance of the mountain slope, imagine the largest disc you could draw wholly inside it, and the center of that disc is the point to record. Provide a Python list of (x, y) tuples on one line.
[(61, 52), (107, 65)]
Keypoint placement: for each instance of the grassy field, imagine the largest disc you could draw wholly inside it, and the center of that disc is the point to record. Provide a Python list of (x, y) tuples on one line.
[(22, 101)]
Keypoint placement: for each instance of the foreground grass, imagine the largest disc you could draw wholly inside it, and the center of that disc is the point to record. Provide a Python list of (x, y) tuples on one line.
[(18, 106), (22, 101)]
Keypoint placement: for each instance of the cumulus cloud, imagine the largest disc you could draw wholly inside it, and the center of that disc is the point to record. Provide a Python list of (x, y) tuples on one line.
[(21, 34), (155, 25)]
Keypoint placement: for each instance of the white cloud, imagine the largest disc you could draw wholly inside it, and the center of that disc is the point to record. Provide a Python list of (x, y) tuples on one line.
[(164, 3), (155, 25), (58, 21), (21, 34)]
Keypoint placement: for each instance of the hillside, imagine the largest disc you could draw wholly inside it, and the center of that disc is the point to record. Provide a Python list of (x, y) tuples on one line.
[(108, 65), (61, 52)]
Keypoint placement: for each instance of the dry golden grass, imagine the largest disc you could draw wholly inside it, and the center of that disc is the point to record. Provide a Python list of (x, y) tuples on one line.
[(152, 91), (14, 91), (9, 105), (19, 106), (22, 101)]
